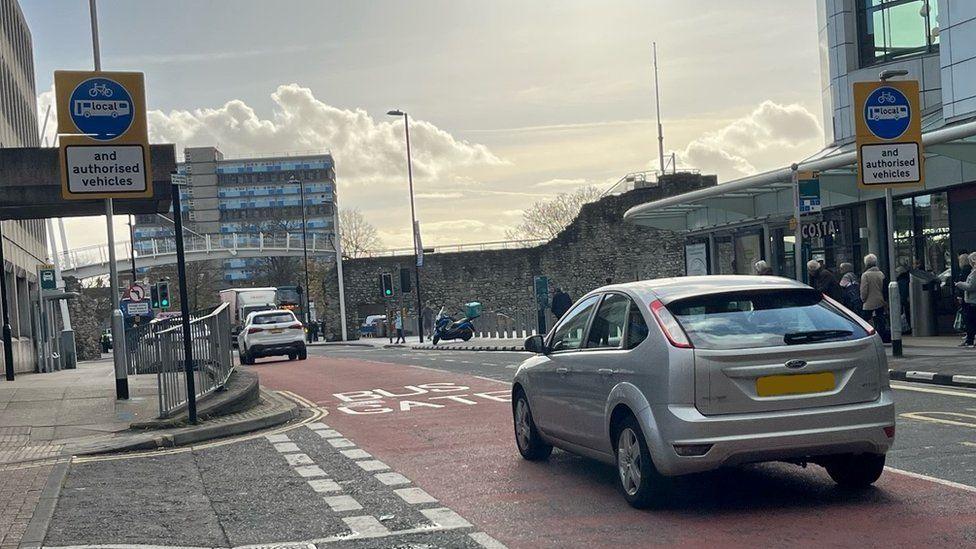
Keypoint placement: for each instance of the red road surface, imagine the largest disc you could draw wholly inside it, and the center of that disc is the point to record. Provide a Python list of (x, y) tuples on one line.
[(458, 446)]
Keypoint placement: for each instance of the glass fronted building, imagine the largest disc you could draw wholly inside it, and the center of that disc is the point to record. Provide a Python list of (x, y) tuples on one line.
[(239, 200), (752, 218)]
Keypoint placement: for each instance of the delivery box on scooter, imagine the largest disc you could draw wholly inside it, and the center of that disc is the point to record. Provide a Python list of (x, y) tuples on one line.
[(472, 310)]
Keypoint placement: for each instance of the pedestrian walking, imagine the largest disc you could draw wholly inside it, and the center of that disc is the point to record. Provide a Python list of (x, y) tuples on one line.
[(762, 268), (969, 302), (964, 270), (561, 302), (850, 286), (823, 280), (398, 325), (872, 296)]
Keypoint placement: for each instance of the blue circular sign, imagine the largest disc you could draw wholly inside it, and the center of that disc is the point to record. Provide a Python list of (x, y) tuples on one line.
[(887, 112), (101, 108)]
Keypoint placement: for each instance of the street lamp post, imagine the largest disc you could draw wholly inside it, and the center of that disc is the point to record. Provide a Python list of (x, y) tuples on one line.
[(413, 222), (308, 311)]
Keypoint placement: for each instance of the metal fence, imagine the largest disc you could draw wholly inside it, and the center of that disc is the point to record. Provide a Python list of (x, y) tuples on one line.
[(213, 359), (142, 343)]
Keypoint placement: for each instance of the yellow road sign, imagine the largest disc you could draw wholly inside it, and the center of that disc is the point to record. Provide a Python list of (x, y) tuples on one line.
[(104, 139), (888, 128)]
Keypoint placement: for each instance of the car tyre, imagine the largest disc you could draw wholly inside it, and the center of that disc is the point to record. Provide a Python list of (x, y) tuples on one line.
[(855, 471), (292, 356), (246, 358), (302, 353), (639, 480), (527, 438)]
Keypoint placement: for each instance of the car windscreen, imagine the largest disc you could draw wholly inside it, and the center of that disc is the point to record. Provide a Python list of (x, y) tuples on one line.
[(279, 318), (762, 318)]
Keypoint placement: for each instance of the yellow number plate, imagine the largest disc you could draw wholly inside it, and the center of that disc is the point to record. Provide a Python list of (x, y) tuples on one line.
[(795, 384)]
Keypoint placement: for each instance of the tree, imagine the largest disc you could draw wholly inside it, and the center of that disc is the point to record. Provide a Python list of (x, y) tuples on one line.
[(356, 234), (547, 218)]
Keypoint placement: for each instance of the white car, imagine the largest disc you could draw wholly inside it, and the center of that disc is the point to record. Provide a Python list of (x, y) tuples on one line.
[(271, 333)]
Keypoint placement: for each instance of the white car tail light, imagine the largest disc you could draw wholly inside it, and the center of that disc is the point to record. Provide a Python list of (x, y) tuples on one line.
[(669, 325), (296, 326), (254, 330)]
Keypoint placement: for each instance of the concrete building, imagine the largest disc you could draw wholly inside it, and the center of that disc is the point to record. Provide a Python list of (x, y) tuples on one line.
[(742, 221), (24, 242), (243, 198)]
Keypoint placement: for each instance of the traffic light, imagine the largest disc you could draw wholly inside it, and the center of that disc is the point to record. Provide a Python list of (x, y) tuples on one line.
[(154, 293), (163, 292), (405, 280), (386, 285)]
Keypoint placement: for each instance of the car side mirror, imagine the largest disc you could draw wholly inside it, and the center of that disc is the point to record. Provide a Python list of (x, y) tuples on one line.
[(535, 344)]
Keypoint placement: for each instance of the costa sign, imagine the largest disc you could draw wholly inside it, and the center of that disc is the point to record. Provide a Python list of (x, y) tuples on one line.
[(819, 230)]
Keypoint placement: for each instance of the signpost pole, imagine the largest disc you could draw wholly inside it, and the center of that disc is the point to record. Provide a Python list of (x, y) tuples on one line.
[(894, 296), (118, 328), (798, 229), (191, 391)]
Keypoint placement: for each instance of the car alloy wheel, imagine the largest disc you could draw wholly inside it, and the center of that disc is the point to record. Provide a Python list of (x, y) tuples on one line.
[(629, 463), (527, 438), (523, 431)]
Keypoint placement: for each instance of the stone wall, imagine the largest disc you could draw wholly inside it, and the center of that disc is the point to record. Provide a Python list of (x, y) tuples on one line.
[(598, 245)]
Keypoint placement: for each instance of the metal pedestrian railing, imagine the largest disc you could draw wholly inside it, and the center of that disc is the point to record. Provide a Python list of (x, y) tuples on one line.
[(212, 358)]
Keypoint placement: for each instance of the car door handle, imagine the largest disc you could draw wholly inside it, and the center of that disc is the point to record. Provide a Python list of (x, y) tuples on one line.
[(562, 371), (606, 372)]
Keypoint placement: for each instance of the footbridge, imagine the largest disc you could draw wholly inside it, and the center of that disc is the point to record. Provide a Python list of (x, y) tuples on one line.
[(93, 261)]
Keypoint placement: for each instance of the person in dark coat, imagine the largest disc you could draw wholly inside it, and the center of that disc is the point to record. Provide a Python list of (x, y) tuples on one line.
[(823, 280), (561, 302)]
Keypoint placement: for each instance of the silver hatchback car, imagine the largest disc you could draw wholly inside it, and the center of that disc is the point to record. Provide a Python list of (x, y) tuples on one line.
[(673, 376)]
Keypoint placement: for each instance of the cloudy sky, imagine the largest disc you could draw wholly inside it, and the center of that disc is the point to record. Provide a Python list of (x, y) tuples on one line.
[(510, 101)]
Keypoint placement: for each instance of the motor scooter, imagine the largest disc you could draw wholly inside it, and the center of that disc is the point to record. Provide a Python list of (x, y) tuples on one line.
[(446, 328)]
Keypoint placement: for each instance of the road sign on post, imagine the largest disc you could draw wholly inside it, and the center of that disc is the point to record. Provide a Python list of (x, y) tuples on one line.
[(104, 141), (48, 277), (888, 127)]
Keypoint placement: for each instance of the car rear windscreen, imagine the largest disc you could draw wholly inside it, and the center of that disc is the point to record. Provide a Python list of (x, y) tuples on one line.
[(762, 318), (274, 319)]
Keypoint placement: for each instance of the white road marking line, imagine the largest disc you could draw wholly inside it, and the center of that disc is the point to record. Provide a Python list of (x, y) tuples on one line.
[(414, 496), (342, 503), (372, 465), (341, 443), (486, 541), (310, 471), (449, 360), (321, 485), (365, 526), (356, 453), (298, 459), (286, 447), (949, 392), (494, 380), (442, 516), (317, 425), (329, 433), (965, 443), (278, 438), (392, 479), (943, 482)]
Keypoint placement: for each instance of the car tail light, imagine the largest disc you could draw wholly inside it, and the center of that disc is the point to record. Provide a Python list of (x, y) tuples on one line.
[(296, 326), (254, 330), (850, 314), (890, 431), (669, 325)]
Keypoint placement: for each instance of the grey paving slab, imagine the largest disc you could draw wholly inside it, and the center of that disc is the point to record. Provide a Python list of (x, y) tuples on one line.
[(158, 500)]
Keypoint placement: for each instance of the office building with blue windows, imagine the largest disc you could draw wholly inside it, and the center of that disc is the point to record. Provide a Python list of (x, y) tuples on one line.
[(241, 199)]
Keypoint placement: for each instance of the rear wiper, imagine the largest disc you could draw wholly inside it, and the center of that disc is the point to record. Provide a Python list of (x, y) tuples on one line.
[(815, 335)]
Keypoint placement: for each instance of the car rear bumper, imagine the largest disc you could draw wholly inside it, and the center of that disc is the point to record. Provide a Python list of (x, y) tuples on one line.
[(275, 349), (795, 435)]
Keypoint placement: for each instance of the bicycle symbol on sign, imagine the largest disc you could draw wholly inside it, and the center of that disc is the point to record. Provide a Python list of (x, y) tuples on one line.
[(100, 89), (886, 97)]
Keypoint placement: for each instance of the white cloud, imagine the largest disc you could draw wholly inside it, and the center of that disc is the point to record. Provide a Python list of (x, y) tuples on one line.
[(770, 133), (566, 184), (438, 196)]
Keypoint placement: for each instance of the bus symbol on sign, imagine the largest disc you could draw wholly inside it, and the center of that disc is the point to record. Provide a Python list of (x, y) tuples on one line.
[(101, 107), (896, 112)]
